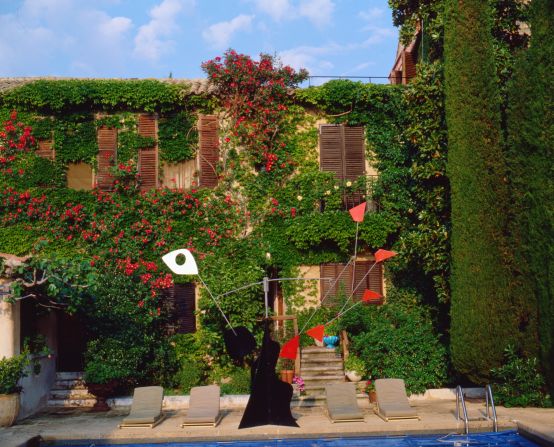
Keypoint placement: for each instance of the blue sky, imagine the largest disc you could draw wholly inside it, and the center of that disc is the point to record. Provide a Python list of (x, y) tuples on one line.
[(153, 38)]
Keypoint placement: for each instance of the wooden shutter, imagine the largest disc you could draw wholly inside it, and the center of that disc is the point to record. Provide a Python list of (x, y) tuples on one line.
[(46, 149), (409, 70), (354, 161), (331, 148), (208, 141), (107, 147), (180, 303), (373, 281), (343, 285), (148, 156)]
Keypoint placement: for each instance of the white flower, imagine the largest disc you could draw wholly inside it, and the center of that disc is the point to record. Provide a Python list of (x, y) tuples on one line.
[(336, 186), (299, 197), (327, 193), (268, 255), (349, 183)]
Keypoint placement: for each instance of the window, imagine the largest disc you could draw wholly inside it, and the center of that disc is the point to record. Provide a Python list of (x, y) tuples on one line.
[(107, 150), (342, 151), (79, 176), (180, 303), (208, 141), (148, 156), (46, 149), (372, 281)]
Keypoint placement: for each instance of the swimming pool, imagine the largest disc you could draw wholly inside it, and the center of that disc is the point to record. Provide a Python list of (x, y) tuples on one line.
[(501, 439)]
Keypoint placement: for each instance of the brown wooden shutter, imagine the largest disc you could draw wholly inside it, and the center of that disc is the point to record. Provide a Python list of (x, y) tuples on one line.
[(331, 148), (107, 148), (354, 153), (46, 149), (409, 70), (180, 304), (373, 281), (343, 285), (148, 156), (208, 141)]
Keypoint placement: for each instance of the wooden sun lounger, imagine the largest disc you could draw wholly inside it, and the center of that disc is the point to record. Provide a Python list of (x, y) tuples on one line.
[(342, 404), (392, 401), (203, 406), (146, 409)]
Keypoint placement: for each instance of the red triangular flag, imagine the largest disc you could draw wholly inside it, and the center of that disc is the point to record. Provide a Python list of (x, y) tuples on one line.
[(290, 348), (370, 295), (381, 255), (358, 212), (316, 332)]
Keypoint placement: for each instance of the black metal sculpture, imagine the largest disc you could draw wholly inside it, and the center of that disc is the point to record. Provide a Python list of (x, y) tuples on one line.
[(270, 398)]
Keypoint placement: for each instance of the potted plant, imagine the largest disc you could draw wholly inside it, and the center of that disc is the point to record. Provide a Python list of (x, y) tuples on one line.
[(370, 391), (286, 370), (11, 370), (354, 368), (110, 365)]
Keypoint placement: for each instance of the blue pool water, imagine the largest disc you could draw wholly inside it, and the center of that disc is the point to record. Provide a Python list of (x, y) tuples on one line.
[(502, 439)]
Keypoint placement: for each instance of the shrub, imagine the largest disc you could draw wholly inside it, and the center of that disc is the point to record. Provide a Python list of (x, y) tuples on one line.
[(518, 382), (111, 359), (396, 340), (189, 375), (238, 382), (11, 370)]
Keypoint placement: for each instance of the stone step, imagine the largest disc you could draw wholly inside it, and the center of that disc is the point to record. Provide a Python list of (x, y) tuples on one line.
[(70, 394), (326, 378), (314, 374), (71, 402), (77, 375), (76, 384), (318, 367)]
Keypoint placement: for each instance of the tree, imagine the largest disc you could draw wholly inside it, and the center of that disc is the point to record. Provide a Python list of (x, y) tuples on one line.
[(530, 155), (485, 315)]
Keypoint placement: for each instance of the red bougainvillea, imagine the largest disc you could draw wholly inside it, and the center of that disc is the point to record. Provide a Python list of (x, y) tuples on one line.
[(256, 96)]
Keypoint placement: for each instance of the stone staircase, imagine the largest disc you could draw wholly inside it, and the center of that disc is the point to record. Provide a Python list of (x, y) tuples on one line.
[(320, 366), (69, 390)]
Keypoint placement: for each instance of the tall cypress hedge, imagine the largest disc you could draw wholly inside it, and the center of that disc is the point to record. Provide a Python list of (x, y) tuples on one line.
[(485, 318), (531, 161)]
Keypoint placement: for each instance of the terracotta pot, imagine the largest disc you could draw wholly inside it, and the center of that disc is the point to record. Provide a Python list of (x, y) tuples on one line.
[(102, 391), (372, 396), (287, 375), (9, 409)]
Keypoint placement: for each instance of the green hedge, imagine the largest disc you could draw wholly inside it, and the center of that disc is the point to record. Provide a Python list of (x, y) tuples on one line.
[(530, 155), (485, 315)]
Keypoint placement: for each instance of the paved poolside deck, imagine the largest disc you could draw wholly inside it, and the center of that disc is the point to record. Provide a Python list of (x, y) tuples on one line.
[(437, 416)]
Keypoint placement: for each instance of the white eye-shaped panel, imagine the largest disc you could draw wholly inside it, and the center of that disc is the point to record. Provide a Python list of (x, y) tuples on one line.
[(188, 268)]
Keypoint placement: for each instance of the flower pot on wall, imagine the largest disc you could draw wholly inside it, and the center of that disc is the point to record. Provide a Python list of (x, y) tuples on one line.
[(9, 409), (353, 376)]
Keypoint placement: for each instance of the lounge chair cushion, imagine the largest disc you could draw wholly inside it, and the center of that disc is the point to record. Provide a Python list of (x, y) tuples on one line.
[(203, 405), (146, 407), (392, 399), (342, 403)]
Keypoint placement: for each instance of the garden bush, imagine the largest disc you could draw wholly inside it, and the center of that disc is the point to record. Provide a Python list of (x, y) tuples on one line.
[(519, 383), (397, 340)]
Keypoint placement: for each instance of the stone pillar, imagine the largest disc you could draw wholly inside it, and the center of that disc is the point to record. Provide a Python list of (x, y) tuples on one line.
[(9, 327)]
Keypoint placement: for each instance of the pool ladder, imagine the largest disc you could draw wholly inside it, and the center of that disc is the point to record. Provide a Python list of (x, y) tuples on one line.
[(490, 412)]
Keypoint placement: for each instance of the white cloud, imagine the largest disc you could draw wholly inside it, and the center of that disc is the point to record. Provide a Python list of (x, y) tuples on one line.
[(379, 34), (220, 34), (276, 9), (371, 14), (319, 12), (49, 37), (310, 58), (153, 39)]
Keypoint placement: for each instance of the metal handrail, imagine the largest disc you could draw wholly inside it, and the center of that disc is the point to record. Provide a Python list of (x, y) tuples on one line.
[(460, 400), (490, 400)]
